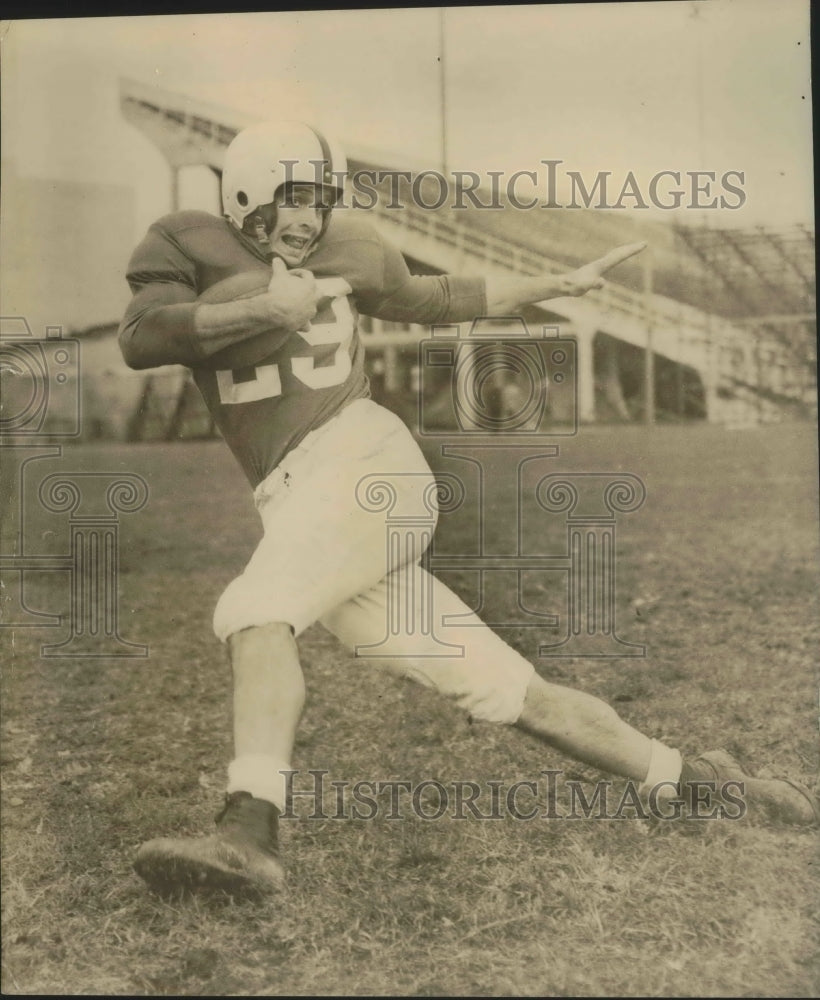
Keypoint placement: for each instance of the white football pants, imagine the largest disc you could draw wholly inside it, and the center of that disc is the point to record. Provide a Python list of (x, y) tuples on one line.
[(347, 516)]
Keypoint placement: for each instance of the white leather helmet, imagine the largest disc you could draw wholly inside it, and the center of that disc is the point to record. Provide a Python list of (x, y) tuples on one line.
[(263, 157)]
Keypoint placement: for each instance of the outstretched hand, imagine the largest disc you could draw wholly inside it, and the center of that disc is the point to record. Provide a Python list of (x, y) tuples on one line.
[(590, 276)]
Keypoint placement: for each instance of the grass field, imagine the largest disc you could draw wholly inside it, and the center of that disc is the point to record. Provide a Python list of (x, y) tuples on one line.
[(101, 754)]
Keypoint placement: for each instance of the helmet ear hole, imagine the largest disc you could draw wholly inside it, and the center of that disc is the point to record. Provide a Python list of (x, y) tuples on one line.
[(242, 199)]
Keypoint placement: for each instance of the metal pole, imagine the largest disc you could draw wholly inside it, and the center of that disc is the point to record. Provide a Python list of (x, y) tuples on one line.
[(679, 386), (442, 89), (649, 357), (174, 189), (759, 373)]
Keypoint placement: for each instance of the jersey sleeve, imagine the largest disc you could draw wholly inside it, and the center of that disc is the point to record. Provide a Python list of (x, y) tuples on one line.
[(430, 298), (158, 325)]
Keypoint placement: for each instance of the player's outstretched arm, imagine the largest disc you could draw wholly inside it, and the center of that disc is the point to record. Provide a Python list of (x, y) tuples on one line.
[(506, 294)]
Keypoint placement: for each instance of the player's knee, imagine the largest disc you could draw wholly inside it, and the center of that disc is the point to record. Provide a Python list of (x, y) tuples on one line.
[(502, 705), (225, 621), (245, 606), (272, 633), (498, 699)]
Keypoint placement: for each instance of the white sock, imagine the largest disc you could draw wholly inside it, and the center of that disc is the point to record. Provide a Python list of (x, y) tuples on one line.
[(259, 774), (665, 764)]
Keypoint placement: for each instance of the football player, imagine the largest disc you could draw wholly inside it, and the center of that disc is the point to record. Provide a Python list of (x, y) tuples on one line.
[(262, 305)]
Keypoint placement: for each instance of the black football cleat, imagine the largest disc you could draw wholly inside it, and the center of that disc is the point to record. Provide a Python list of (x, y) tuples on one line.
[(240, 859)]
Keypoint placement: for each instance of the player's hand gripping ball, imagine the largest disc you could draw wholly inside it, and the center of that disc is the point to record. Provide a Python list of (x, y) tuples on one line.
[(290, 296)]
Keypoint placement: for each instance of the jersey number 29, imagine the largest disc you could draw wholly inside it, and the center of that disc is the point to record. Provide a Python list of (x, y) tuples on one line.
[(267, 381)]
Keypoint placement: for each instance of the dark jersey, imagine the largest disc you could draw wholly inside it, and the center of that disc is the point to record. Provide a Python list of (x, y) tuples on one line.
[(266, 393)]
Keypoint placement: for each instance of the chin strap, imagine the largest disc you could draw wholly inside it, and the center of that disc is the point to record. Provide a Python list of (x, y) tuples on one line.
[(261, 232)]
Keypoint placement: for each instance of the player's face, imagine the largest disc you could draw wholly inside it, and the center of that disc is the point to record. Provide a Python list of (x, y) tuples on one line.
[(298, 222)]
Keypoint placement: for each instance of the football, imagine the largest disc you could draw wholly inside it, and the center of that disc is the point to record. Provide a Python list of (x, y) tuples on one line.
[(238, 286)]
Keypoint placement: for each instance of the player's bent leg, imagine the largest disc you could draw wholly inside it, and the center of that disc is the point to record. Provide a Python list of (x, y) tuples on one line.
[(591, 731), (494, 683), (442, 644), (242, 856), (446, 646), (268, 698), (324, 512), (321, 545), (586, 728), (711, 784)]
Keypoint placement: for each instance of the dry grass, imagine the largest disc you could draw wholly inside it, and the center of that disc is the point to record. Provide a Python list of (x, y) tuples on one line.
[(99, 755)]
